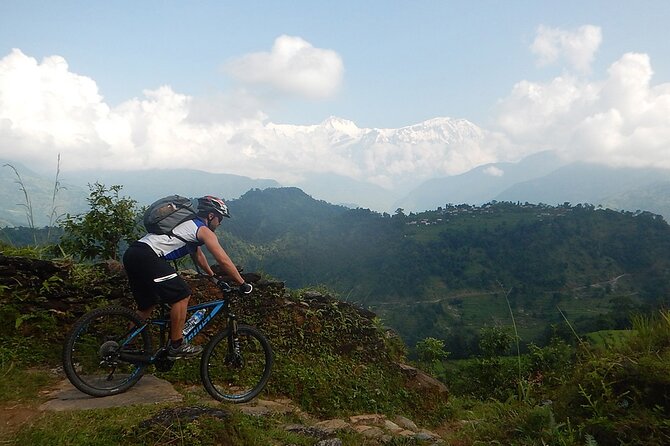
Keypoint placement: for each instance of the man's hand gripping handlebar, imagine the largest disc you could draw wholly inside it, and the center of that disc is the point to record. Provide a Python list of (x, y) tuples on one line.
[(245, 288)]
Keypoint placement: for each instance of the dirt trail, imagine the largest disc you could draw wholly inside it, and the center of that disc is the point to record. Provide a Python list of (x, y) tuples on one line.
[(152, 390), (149, 390), (63, 396)]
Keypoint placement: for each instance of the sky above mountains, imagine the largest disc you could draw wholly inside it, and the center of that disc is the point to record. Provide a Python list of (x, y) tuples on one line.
[(250, 87)]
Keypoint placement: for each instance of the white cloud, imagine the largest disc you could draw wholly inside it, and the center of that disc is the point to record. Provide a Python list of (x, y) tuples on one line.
[(45, 109), (494, 171), (621, 120), (577, 47), (294, 66), (45, 105)]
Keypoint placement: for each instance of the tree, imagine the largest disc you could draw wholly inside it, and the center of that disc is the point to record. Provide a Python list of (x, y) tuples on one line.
[(430, 351), (98, 234), (494, 341)]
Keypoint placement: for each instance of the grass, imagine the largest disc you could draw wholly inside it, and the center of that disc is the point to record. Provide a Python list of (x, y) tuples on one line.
[(508, 423), (95, 427), (477, 310), (608, 339), (127, 425), (21, 385), (470, 422)]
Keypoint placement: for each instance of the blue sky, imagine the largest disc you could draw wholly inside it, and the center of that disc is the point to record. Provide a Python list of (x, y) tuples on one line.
[(121, 84), (404, 62)]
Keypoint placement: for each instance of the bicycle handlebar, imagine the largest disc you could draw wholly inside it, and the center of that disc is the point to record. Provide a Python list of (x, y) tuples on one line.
[(245, 288)]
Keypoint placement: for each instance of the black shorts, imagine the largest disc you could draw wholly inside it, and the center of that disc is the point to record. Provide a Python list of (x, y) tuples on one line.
[(152, 279)]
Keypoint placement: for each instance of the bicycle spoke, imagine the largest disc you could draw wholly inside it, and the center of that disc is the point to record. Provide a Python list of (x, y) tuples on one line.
[(234, 374), (93, 355)]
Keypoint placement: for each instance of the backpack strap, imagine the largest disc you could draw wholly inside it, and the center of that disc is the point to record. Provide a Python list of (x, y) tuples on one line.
[(172, 234)]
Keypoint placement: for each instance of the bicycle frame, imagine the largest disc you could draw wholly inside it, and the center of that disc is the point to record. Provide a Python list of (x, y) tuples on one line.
[(213, 309)]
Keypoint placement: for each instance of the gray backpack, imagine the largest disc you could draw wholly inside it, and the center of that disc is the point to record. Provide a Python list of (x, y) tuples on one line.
[(165, 214)]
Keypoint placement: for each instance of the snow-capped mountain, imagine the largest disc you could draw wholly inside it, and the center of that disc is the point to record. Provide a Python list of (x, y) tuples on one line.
[(445, 130), (395, 159), (334, 160)]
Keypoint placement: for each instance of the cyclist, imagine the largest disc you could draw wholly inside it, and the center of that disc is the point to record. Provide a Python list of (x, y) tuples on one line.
[(153, 280)]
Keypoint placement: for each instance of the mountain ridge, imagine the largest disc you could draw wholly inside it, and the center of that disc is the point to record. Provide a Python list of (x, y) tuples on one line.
[(584, 182), (542, 177), (479, 185)]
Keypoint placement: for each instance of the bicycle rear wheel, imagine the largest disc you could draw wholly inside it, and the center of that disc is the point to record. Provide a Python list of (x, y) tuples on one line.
[(102, 355), (233, 374)]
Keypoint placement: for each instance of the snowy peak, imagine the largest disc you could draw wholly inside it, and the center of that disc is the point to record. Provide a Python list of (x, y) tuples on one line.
[(438, 130), (392, 158), (442, 131), (341, 125)]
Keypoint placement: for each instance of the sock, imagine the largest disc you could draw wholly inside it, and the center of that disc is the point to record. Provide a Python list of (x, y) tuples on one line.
[(177, 343)]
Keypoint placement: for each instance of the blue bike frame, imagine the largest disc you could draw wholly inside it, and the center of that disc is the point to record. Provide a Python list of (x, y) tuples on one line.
[(213, 309)]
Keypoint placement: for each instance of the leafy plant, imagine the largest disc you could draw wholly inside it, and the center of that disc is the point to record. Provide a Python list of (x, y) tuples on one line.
[(99, 233), (430, 352), (621, 395), (27, 204), (494, 341), (54, 216)]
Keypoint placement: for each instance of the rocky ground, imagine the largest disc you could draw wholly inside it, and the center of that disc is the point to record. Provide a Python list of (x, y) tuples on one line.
[(152, 390)]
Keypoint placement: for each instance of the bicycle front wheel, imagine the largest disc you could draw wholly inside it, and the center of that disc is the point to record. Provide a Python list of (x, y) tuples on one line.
[(97, 351), (236, 370)]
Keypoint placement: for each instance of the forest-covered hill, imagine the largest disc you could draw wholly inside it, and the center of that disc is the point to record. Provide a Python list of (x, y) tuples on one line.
[(447, 272)]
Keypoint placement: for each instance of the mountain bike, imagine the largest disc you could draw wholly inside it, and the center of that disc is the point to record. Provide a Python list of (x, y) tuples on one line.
[(109, 349)]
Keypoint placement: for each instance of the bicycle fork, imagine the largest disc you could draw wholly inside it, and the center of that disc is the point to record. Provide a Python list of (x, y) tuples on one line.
[(234, 355)]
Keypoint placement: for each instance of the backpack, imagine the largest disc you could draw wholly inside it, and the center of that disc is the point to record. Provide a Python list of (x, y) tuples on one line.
[(163, 215)]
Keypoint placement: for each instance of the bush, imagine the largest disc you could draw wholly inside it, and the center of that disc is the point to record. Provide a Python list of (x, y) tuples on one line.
[(99, 233), (622, 396)]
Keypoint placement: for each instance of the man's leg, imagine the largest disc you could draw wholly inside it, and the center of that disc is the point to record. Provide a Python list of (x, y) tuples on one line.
[(178, 318), (144, 314), (178, 347)]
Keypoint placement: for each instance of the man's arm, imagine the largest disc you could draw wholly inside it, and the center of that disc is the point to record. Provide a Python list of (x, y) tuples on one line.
[(213, 246), (199, 259)]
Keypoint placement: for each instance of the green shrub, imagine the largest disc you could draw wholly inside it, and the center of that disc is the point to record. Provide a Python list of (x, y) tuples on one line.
[(98, 234), (622, 396), (330, 385), (512, 423)]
